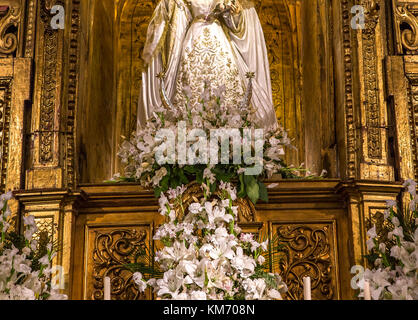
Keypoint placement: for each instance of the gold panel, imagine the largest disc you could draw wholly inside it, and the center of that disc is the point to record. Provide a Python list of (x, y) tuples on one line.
[(309, 249), (108, 250)]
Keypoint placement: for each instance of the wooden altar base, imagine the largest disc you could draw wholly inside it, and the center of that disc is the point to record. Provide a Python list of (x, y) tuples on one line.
[(321, 224)]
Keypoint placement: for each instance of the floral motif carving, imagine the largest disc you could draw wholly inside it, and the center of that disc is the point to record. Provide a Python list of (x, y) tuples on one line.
[(307, 251), (112, 251)]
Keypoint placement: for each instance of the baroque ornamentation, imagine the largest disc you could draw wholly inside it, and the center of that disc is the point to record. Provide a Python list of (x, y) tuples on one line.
[(10, 12), (49, 85), (413, 120), (73, 63), (112, 251), (46, 228), (47, 113), (30, 28), (348, 99), (371, 85), (405, 16), (307, 251), (5, 107)]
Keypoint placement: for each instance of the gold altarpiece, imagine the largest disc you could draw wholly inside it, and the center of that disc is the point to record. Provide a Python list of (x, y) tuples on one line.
[(347, 96)]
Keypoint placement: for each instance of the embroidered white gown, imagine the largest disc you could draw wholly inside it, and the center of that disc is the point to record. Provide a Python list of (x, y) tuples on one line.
[(194, 47)]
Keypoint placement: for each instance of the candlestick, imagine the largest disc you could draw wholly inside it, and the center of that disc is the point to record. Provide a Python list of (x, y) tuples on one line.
[(367, 295), (106, 288), (307, 288)]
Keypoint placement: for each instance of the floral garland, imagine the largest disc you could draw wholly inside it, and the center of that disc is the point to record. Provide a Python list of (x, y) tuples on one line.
[(394, 252), (205, 254), (25, 263)]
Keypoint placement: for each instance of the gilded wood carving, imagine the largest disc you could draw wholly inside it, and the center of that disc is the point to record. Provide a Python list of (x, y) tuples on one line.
[(111, 251), (405, 16), (307, 250), (10, 14), (5, 107)]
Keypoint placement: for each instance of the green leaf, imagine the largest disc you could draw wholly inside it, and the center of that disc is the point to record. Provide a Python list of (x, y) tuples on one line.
[(190, 169), (241, 193), (263, 192), (199, 177), (183, 178), (157, 192), (164, 183), (252, 188)]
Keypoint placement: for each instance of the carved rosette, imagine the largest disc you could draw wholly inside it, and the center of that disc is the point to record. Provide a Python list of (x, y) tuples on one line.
[(307, 250), (111, 252)]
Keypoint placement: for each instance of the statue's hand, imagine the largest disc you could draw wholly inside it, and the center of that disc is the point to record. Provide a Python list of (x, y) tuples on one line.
[(234, 6)]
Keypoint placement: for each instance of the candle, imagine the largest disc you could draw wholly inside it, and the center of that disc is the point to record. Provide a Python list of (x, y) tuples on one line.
[(367, 295), (307, 288), (106, 288)]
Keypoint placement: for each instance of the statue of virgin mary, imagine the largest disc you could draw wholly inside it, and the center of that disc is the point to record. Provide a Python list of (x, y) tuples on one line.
[(201, 43)]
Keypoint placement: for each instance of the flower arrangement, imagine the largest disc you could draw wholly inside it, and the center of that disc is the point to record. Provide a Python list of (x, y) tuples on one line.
[(394, 252), (205, 254), (189, 129), (25, 263)]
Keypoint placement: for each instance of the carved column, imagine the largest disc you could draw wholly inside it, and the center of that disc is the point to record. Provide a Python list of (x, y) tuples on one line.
[(403, 76), (46, 132), (373, 120), (55, 213)]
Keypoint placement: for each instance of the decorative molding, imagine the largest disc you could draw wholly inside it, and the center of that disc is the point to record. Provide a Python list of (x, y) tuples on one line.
[(72, 93), (30, 28), (5, 107), (413, 119), (351, 144)]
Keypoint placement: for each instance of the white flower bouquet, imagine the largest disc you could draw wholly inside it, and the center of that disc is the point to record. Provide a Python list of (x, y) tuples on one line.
[(181, 144), (394, 252), (25, 263), (205, 254)]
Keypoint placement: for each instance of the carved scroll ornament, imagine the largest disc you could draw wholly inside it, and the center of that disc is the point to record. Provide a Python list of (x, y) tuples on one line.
[(306, 251), (10, 12), (112, 251), (405, 16)]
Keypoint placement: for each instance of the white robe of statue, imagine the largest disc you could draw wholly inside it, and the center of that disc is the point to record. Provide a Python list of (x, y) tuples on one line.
[(198, 42)]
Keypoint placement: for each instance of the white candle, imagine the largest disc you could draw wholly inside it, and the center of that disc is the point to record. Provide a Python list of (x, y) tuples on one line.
[(307, 288), (367, 295), (106, 288)]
